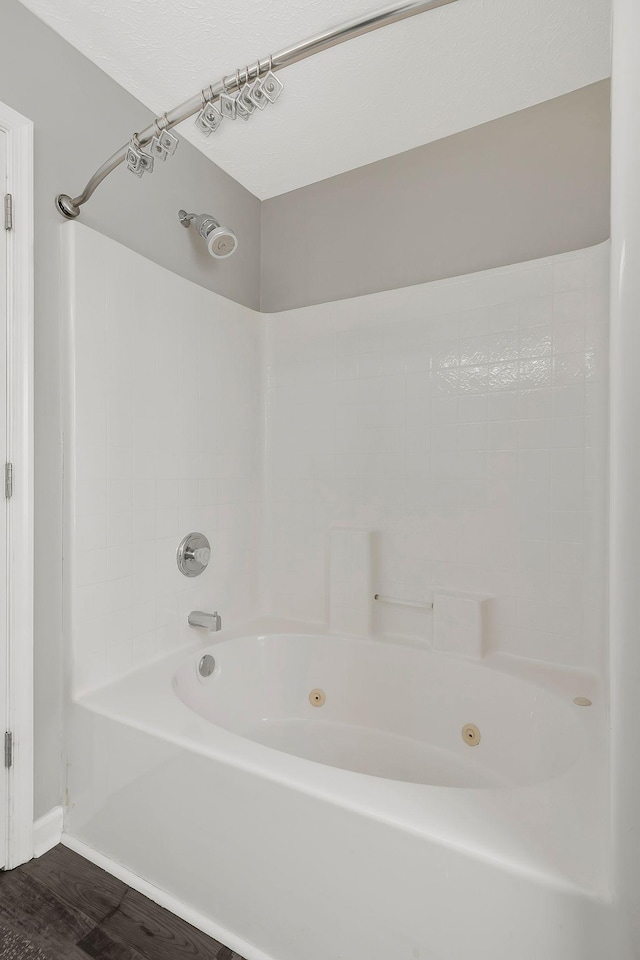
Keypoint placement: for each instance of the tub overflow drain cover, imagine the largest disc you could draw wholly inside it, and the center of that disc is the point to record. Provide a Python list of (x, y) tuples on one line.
[(317, 697), (471, 734), (206, 666)]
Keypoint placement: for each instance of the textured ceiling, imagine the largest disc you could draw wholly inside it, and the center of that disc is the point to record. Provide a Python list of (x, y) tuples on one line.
[(405, 85)]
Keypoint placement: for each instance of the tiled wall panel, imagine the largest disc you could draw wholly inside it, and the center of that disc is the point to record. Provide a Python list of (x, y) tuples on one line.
[(464, 419), (164, 439)]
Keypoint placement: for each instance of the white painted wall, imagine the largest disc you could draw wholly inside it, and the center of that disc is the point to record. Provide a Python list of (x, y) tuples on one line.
[(164, 439), (466, 420), (625, 460)]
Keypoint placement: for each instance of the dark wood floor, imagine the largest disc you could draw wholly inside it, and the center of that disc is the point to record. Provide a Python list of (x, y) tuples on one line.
[(61, 907)]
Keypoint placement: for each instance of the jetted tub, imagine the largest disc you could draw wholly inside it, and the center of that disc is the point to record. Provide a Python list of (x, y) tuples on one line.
[(380, 709), (326, 798)]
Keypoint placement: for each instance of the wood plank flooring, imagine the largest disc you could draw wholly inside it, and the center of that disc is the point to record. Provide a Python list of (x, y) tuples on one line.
[(61, 907)]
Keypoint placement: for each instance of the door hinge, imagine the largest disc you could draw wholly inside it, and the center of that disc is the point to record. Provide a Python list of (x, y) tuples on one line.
[(8, 211), (8, 749), (8, 481)]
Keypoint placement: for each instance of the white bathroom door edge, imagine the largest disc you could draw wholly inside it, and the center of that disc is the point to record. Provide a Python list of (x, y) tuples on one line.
[(18, 132)]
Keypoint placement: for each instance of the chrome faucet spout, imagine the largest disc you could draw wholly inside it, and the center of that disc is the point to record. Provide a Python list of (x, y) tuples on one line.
[(212, 621)]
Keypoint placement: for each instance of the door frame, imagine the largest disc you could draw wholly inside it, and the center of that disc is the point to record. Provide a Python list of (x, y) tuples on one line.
[(18, 132)]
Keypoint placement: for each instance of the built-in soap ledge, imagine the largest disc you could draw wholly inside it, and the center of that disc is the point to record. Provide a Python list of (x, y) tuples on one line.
[(459, 621)]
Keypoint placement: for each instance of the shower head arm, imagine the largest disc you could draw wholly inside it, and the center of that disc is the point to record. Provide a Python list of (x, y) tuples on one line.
[(204, 222), (70, 207)]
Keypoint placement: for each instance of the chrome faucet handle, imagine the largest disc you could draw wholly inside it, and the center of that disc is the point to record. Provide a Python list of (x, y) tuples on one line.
[(212, 621), (200, 555), (193, 554)]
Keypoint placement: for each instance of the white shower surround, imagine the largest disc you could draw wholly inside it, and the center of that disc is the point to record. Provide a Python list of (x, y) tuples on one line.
[(163, 438), (465, 420)]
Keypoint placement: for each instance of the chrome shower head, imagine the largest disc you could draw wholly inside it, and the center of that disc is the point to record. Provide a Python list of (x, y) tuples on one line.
[(221, 241)]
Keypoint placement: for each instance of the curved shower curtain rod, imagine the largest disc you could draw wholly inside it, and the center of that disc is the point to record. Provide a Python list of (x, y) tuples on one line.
[(70, 207)]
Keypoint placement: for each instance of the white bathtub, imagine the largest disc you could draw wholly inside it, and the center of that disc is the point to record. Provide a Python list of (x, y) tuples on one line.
[(366, 828)]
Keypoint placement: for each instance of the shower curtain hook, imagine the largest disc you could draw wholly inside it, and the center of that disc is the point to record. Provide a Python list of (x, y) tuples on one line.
[(245, 96), (244, 104), (242, 110), (271, 86), (164, 143), (256, 90), (137, 161), (209, 118), (228, 106)]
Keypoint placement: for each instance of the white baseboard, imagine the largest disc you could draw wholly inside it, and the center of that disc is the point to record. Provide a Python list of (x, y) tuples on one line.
[(47, 831), (168, 901)]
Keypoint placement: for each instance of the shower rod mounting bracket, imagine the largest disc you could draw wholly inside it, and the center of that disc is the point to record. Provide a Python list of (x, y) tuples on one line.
[(69, 207)]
